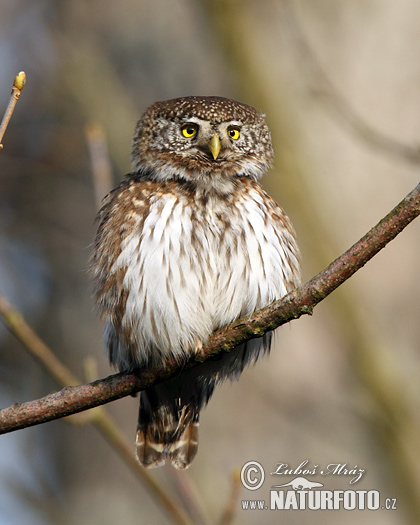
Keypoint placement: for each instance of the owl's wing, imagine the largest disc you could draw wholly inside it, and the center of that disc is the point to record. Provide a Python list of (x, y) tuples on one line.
[(123, 210)]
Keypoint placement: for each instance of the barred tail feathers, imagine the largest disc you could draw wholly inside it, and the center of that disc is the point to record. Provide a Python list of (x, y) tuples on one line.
[(166, 434)]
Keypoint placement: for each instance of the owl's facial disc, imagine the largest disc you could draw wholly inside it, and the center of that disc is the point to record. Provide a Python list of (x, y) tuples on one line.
[(202, 139), (214, 141)]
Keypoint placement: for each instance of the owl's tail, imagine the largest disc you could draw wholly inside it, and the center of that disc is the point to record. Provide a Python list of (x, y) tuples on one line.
[(169, 411), (166, 432)]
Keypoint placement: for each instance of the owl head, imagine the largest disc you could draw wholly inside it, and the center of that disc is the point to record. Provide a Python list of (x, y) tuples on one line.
[(206, 140)]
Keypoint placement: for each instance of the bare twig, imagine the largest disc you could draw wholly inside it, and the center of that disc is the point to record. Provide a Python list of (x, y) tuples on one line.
[(20, 328), (190, 497), (100, 162), (229, 513), (18, 84), (301, 301)]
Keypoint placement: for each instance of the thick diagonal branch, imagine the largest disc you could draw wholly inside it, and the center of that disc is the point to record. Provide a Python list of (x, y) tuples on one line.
[(301, 301)]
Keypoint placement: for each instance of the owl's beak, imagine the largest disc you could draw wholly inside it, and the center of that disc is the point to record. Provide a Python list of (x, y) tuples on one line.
[(214, 146)]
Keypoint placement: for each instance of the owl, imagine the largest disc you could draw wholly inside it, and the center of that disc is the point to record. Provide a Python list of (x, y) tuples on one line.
[(186, 244)]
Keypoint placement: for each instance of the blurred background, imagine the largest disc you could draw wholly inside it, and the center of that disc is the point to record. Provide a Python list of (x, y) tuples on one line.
[(339, 83)]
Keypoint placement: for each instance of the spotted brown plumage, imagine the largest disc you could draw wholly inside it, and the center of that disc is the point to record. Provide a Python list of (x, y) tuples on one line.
[(188, 243)]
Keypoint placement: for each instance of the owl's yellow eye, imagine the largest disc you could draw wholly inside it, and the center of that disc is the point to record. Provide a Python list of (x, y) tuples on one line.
[(233, 133), (189, 130)]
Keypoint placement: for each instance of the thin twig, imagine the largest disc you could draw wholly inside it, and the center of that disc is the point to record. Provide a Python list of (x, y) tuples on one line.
[(20, 328), (189, 496), (297, 303), (229, 513), (18, 84), (100, 162)]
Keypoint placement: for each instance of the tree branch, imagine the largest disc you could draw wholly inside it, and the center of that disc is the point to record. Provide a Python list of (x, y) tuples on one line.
[(301, 301)]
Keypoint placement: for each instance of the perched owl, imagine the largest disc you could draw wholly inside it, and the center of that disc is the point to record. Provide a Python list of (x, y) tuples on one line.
[(188, 243)]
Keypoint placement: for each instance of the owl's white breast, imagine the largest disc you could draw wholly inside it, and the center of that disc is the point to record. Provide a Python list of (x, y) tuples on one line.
[(192, 269)]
